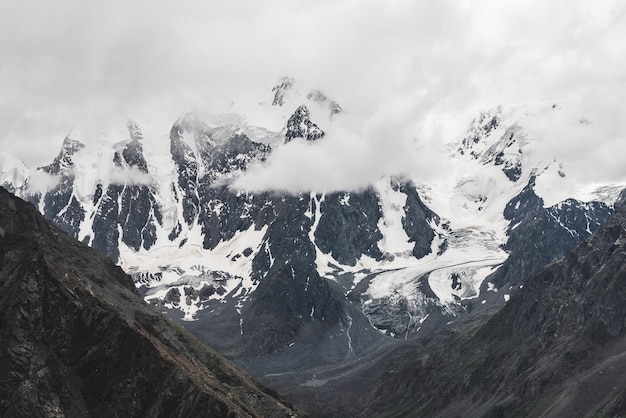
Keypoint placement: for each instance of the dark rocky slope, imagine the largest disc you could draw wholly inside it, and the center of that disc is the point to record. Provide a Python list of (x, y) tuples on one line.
[(77, 340), (558, 348), (540, 235)]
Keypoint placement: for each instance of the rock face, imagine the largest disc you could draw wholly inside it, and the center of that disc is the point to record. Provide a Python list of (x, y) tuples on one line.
[(299, 125), (539, 235), (505, 153), (556, 349), (347, 231), (77, 340), (62, 196), (292, 292)]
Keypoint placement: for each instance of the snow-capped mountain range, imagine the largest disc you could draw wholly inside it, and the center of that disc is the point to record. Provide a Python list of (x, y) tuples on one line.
[(256, 273)]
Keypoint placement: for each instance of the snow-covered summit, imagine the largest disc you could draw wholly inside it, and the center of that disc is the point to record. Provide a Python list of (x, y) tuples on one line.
[(533, 139), (283, 87), (290, 93), (271, 108), (108, 151)]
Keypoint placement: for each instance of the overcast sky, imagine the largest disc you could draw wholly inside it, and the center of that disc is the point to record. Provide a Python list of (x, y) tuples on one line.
[(414, 68)]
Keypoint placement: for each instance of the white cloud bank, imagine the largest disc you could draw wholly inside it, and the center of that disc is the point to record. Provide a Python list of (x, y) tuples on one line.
[(404, 70), (130, 176), (42, 182), (352, 155)]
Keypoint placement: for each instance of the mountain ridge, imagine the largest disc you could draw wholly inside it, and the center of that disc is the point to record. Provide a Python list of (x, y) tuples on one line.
[(79, 341), (291, 281)]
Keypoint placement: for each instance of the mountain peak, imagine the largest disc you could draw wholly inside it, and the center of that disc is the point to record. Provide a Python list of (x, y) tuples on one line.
[(107, 131), (282, 87), (321, 99), (64, 160), (299, 125), (481, 127), (289, 91)]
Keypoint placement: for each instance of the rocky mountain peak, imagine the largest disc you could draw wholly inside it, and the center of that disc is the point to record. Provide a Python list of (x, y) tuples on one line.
[(100, 144), (321, 99), (480, 128), (284, 85), (64, 160), (300, 125), (191, 138), (288, 91), (135, 131), (496, 138)]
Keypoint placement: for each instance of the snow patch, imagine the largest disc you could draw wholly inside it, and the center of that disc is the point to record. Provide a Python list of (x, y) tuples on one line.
[(395, 240), (225, 268)]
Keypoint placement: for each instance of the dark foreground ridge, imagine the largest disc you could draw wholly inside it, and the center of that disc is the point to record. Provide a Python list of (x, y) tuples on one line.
[(557, 349), (76, 340)]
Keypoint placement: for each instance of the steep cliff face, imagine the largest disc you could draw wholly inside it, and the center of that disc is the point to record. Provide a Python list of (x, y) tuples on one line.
[(299, 125), (568, 326), (556, 349), (128, 212), (539, 235), (291, 293), (60, 204), (77, 340)]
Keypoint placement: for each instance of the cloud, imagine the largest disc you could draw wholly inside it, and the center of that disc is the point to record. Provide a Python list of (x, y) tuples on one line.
[(587, 136), (42, 182), (403, 70), (353, 154), (130, 176)]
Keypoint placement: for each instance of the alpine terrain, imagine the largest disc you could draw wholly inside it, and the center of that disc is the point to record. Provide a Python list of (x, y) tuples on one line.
[(555, 350), (290, 284), (78, 341)]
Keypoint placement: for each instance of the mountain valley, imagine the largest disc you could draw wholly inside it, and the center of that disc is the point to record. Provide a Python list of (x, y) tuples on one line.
[(311, 291)]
